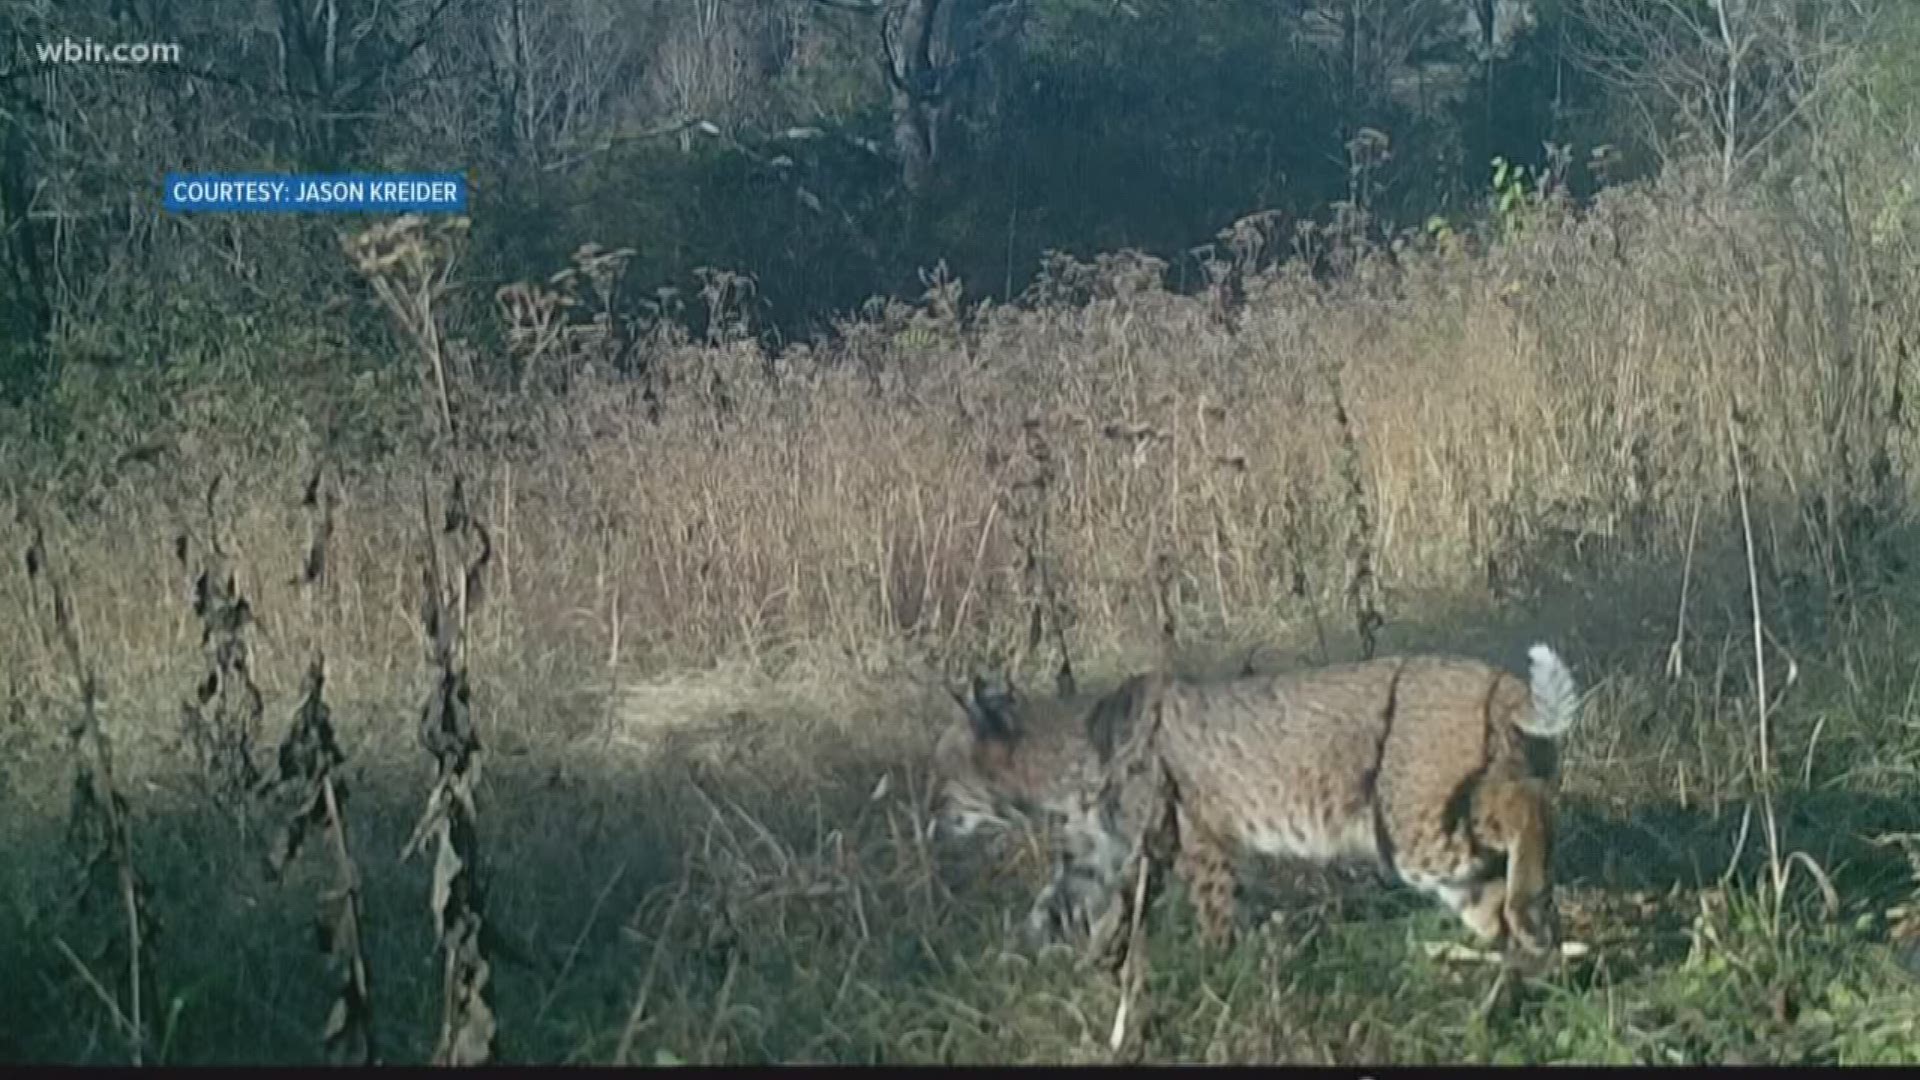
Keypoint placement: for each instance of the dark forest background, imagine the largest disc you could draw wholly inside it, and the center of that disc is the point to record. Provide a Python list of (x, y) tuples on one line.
[(817, 153)]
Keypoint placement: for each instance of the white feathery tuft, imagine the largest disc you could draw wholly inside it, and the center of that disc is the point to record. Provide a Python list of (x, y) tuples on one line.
[(1556, 699)]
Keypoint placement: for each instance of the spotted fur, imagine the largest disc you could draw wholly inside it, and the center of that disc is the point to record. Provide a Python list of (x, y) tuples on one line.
[(1438, 770)]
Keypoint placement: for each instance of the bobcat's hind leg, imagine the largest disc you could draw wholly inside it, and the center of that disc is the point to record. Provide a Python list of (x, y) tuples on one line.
[(1205, 864), (1517, 816)]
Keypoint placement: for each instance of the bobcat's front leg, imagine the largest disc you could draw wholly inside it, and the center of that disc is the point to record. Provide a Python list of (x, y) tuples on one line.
[(1083, 896)]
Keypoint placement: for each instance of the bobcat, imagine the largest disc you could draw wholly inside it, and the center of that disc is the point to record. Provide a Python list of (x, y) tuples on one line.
[(1438, 770)]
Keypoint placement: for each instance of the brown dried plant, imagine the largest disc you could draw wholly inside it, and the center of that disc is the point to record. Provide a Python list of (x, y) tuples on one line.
[(410, 265), (1363, 586), (220, 719), (307, 781), (570, 322), (448, 734), (1031, 514), (100, 828)]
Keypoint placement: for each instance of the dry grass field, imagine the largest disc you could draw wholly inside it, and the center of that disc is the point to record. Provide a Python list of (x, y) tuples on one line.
[(1667, 434)]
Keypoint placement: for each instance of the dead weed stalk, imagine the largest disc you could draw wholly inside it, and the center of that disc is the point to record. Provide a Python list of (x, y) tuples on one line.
[(1031, 515), (307, 780), (1363, 585), (409, 264), (448, 734), (220, 718), (100, 830)]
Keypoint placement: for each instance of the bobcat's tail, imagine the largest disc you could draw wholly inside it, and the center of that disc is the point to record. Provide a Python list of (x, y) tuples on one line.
[(1556, 699)]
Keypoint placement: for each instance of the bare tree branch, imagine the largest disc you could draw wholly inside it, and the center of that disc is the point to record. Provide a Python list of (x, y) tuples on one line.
[(1733, 76)]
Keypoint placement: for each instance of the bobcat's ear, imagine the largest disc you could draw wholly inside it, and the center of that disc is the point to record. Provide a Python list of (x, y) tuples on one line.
[(989, 709)]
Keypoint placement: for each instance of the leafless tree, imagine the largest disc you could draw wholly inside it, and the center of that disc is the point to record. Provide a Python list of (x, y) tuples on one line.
[(1372, 45), (342, 59), (1732, 76), (558, 78), (24, 289), (715, 59), (929, 49)]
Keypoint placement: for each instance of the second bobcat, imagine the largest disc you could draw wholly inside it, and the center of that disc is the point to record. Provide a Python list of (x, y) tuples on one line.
[(1439, 770)]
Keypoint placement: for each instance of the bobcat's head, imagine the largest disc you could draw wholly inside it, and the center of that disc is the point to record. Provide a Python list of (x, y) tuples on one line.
[(1007, 758)]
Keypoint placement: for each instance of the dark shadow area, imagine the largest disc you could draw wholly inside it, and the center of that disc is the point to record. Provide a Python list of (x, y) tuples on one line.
[(586, 871), (1660, 847), (725, 882)]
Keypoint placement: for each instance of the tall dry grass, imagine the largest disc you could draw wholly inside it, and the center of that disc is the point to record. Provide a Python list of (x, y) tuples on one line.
[(1562, 397)]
